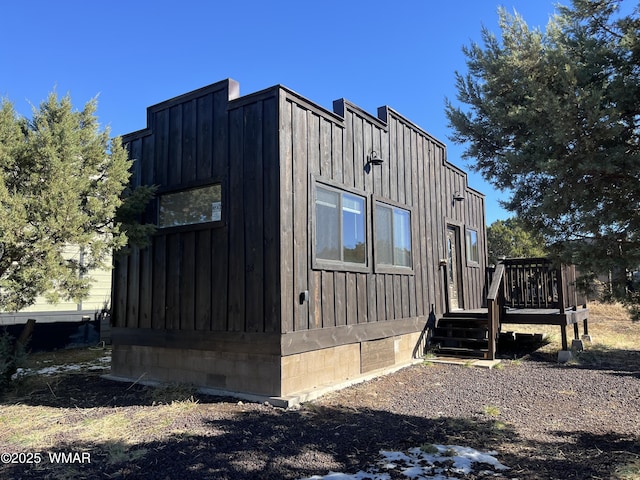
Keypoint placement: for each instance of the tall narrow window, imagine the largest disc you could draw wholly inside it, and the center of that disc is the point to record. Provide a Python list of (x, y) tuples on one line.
[(473, 254), (393, 236), (340, 224)]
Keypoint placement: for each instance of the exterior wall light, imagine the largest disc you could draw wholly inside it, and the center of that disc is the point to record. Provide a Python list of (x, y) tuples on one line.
[(374, 159)]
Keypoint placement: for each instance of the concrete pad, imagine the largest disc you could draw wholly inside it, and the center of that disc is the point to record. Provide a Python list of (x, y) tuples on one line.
[(471, 362), (564, 356), (577, 345)]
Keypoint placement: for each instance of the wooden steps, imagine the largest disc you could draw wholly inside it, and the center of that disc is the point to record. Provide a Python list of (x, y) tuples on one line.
[(461, 334)]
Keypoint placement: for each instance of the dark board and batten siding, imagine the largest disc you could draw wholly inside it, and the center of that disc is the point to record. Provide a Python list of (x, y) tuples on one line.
[(221, 277), (333, 147), (243, 276)]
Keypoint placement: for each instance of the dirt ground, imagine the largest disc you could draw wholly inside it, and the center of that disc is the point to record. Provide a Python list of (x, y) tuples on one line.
[(542, 419)]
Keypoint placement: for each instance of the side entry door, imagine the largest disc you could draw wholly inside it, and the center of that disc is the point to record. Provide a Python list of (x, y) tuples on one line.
[(454, 268)]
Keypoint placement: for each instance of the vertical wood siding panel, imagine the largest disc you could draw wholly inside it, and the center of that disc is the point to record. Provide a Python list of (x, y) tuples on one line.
[(328, 299), (405, 287), (367, 147), (390, 300), (221, 259), (189, 145), (173, 275), (286, 214), (377, 173), (401, 162), (133, 288), (204, 136), (161, 136), (135, 154), (146, 171), (362, 298), (221, 160), (237, 262), (175, 146), (219, 276), (146, 279), (417, 241), (372, 298), (159, 283), (338, 146), (385, 170), (203, 292), (436, 224), (351, 298), (395, 161), (398, 299), (326, 139), (271, 216), (147, 174), (381, 297), (300, 216), (409, 159), (254, 224), (188, 281), (346, 176), (318, 145), (420, 194), (340, 300), (359, 126)]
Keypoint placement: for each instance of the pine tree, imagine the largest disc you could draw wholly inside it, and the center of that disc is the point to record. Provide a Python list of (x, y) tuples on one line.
[(512, 239), (553, 118), (61, 182)]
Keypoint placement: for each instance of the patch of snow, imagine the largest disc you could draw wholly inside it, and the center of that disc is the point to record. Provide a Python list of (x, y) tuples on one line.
[(415, 464), (53, 370)]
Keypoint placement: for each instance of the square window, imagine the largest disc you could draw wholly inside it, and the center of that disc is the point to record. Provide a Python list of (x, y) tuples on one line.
[(340, 226), (198, 205)]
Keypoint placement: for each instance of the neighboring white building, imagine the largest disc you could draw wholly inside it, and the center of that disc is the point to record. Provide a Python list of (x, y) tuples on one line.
[(44, 312)]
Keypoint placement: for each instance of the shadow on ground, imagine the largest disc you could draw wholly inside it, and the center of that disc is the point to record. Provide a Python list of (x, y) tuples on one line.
[(270, 443)]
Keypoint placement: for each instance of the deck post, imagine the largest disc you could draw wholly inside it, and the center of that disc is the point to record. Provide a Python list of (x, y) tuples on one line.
[(586, 328), (563, 332), (560, 279)]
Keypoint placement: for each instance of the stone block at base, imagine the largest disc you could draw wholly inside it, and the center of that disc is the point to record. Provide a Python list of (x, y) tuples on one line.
[(564, 356), (587, 338), (577, 345)]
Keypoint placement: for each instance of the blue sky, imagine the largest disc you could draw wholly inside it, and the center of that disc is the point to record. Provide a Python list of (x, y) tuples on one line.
[(133, 54)]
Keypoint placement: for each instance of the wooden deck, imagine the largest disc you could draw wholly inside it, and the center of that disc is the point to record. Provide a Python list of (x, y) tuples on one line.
[(545, 316), (520, 291)]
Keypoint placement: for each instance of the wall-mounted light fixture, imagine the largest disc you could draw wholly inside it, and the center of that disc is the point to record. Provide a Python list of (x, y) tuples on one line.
[(374, 159), (458, 197)]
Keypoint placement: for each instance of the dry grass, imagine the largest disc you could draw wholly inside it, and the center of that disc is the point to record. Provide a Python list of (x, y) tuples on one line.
[(610, 327), (615, 341), (26, 426)]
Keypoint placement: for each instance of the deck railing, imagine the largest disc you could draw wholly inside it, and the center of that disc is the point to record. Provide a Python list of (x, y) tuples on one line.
[(495, 300), (539, 283)]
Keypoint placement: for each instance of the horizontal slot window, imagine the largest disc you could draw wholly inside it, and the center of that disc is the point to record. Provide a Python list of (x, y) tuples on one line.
[(194, 206)]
